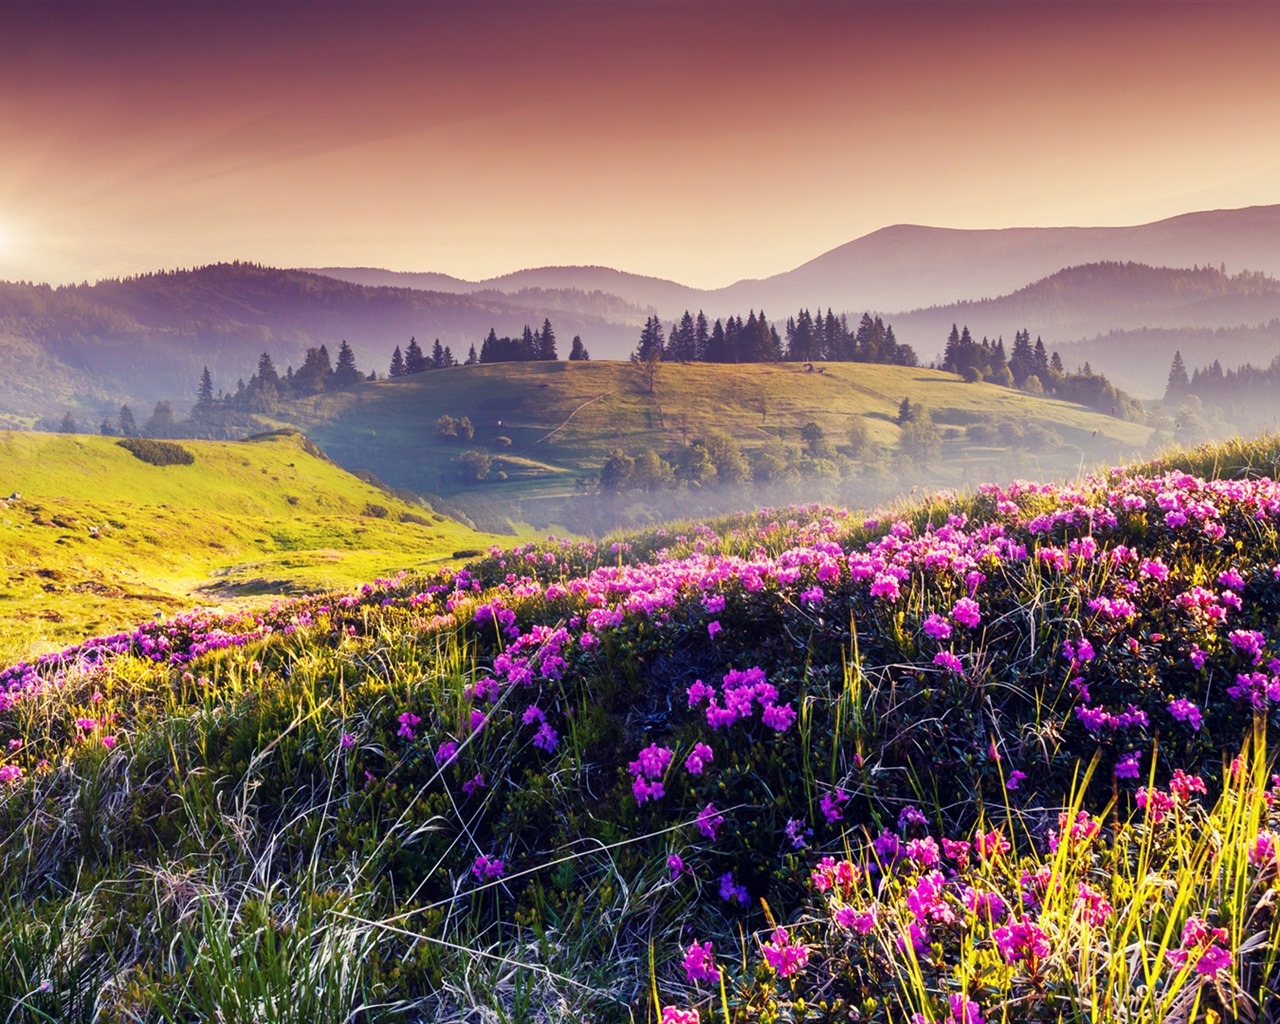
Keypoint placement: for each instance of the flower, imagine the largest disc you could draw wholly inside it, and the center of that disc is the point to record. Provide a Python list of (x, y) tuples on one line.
[(783, 955), (700, 963), (709, 821), (672, 1015), (1127, 766), (730, 891), (408, 724), (937, 627), (486, 868), (675, 864), (967, 612), (832, 804), (1021, 940), (698, 758), (1184, 710), (1016, 778)]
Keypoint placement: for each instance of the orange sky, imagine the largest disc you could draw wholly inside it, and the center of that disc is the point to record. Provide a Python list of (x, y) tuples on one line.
[(703, 142)]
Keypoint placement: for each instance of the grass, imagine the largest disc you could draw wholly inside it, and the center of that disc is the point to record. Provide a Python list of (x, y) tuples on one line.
[(434, 798), (98, 539)]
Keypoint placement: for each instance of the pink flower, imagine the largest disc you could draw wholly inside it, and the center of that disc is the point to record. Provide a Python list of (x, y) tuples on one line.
[(783, 955), (698, 758), (672, 1015), (1127, 766), (473, 785), (700, 963), (730, 891), (713, 628), (675, 864), (1016, 778), (937, 627), (967, 612), (886, 587), (1021, 940), (778, 716), (1184, 710), (949, 661)]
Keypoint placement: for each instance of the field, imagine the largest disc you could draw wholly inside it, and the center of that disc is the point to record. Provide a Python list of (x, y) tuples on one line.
[(93, 539), (1000, 757), (562, 419)]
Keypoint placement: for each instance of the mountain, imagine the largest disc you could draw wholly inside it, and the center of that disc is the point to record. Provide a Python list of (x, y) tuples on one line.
[(910, 266), (1099, 298), (145, 338)]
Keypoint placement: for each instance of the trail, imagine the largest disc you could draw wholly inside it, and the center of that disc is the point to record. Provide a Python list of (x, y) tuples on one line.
[(571, 415)]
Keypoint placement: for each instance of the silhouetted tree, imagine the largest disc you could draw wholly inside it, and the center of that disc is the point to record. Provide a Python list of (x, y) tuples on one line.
[(414, 360), (578, 351), (345, 374), (204, 395), (397, 363), (547, 347), (161, 422), (1179, 384), (128, 425)]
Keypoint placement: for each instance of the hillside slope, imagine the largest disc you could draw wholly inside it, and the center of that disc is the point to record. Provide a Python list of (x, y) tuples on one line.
[(95, 538), (563, 419)]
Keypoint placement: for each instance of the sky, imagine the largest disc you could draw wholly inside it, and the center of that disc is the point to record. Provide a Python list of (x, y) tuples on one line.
[(701, 142)]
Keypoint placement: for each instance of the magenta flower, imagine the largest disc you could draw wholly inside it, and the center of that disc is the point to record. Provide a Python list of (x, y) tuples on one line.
[(698, 759), (473, 785), (709, 821), (446, 752), (963, 1010), (713, 628), (1021, 940), (937, 627), (348, 740), (486, 868), (700, 963), (967, 612), (832, 804), (673, 1015), (778, 716), (675, 864), (1184, 710), (408, 724), (1128, 766), (1016, 778), (645, 790), (783, 955), (949, 661), (886, 587), (652, 761)]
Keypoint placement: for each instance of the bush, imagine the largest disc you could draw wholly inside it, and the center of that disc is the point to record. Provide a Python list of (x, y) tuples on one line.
[(157, 453)]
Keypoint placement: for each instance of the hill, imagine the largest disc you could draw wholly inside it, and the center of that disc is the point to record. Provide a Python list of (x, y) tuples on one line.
[(996, 756), (1103, 298), (147, 337), (562, 421), (94, 538)]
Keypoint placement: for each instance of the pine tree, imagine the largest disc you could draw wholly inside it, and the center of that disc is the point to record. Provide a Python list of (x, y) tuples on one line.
[(701, 337), (448, 358), (472, 358), (267, 371), (437, 356), (651, 340), (397, 363), (128, 425), (1179, 385), (578, 351), (204, 395), (548, 346), (68, 424), (414, 360), (529, 345), (905, 413), (346, 374)]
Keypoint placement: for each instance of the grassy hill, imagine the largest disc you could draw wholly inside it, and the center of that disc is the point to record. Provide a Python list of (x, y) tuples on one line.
[(97, 538), (998, 757), (564, 418)]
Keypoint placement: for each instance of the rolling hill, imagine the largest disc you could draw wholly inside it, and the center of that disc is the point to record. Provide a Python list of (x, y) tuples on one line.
[(92, 538), (563, 419)]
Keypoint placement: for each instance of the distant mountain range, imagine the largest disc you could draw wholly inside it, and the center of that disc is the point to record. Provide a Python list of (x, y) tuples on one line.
[(1179, 281), (908, 266)]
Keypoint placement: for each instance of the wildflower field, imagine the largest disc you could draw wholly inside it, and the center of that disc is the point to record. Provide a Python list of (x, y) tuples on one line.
[(995, 757)]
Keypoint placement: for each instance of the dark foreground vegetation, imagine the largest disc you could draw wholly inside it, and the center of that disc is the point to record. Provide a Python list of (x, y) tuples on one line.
[(1000, 757)]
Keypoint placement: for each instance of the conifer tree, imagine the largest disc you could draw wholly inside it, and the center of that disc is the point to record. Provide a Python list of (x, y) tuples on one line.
[(1178, 384), (472, 358), (437, 356), (204, 394), (578, 351), (547, 349), (127, 424), (448, 357), (414, 359), (161, 422), (345, 374), (397, 363)]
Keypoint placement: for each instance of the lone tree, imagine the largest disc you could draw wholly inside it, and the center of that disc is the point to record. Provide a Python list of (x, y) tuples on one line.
[(204, 395), (905, 412), (578, 351)]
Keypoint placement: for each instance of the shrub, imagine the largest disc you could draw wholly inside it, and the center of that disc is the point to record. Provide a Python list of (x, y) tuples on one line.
[(157, 453)]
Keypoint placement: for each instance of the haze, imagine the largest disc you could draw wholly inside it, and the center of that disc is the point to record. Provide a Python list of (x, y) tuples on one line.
[(700, 142)]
